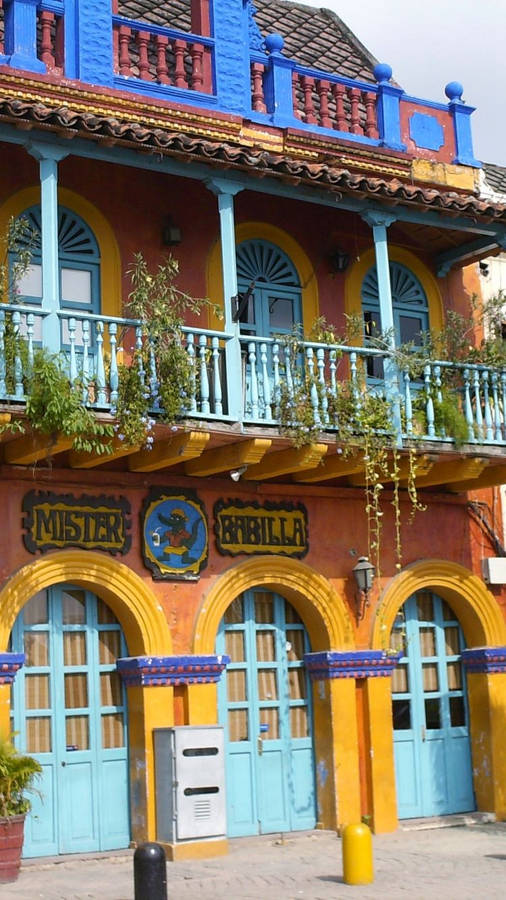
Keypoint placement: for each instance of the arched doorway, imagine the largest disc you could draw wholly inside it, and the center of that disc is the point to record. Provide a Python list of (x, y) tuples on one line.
[(430, 711), (264, 703), (69, 711)]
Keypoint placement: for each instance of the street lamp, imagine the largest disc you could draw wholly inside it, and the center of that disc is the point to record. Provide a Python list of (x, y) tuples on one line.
[(364, 573)]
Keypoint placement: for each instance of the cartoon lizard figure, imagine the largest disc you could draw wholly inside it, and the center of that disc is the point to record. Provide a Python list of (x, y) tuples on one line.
[(179, 539)]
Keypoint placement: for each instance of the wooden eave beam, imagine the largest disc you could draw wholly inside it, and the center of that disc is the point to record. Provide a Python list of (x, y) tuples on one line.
[(424, 465), (335, 466), (228, 457), (168, 453), (284, 462), (490, 477), (453, 471), (31, 448), (81, 460)]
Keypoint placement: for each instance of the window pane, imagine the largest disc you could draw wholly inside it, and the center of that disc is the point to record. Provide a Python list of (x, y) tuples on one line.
[(76, 285), (264, 608), (427, 642), (113, 733), (234, 614), (401, 710), (77, 733), (398, 641), (266, 646), (281, 312), (109, 647), (30, 283), (105, 615), (74, 648), (430, 677), (238, 725), (37, 692), (73, 608), (452, 643), (294, 645), (400, 680), (110, 689), (234, 645), (297, 682), (410, 328), (454, 676), (269, 717), (299, 724), (38, 735), (292, 617), (35, 611), (267, 684), (36, 646), (432, 713), (448, 614), (76, 691), (425, 606), (457, 711), (236, 685)]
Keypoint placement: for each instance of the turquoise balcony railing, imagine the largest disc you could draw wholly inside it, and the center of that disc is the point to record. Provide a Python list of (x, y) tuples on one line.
[(271, 371)]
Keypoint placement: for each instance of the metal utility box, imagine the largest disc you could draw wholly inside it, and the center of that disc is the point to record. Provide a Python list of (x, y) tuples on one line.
[(494, 569), (190, 783)]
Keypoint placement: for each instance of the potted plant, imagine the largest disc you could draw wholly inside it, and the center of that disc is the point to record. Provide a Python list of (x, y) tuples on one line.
[(17, 775)]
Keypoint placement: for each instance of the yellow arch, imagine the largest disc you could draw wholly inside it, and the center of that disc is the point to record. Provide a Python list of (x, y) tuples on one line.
[(355, 277), (137, 609), (247, 231), (110, 261), (475, 607), (323, 611)]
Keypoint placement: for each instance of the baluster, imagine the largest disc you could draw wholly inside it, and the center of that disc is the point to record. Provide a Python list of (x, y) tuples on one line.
[(276, 378), (429, 406), (162, 72), (142, 45), (86, 359), (320, 362), (333, 373), (204, 378), (307, 87), (46, 43), (468, 409), (124, 51), (266, 382), (72, 342), (3, 371), (353, 376), (257, 94), (371, 127), (497, 411), (101, 396), (408, 406), (355, 95), (153, 375), (179, 70), (30, 328), (18, 364), (59, 43), (313, 390), (503, 392), (322, 89), (439, 394), (339, 92), (197, 53), (295, 96), (252, 359), (288, 372), (217, 393), (190, 349), (488, 411), (113, 374), (477, 404)]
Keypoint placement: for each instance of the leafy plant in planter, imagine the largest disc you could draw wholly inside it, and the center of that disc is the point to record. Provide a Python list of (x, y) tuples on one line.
[(17, 776)]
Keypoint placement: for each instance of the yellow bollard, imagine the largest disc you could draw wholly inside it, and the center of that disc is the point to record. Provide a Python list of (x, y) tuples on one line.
[(357, 855)]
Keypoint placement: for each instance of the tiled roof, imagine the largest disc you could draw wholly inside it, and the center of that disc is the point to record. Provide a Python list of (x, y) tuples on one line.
[(257, 162), (313, 37), (495, 176)]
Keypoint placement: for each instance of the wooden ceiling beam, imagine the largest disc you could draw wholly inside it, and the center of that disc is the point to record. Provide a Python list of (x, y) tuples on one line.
[(32, 448), (80, 460), (284, 462), (490, 477), (228, 457), (424, 465), (335, 466), (186, 445), (445, 473)]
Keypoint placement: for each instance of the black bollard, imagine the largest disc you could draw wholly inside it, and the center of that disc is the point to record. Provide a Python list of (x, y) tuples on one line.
[(150, 872)]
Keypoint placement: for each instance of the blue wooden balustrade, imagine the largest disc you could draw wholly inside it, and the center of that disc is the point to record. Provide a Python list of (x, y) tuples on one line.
[(94, 347)]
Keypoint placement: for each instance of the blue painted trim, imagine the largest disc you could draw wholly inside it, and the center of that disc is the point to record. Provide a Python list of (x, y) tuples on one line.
[(357, 664), (20, 42), (55, 6), (231, 56), (278, 90), (152, 671), (463, 138), (389, 116), (93, 40), (165, 92), (172, 33), (486, 660), (426, 131), (431, 104), (10, 663), (317, 130)]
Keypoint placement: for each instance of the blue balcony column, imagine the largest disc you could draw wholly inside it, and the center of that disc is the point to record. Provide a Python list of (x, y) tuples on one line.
[(461, 114), (20, 45), (233, 82), (88, 41), (388, 109), (226, 191), (278, 83), (49, 157), (379, 222)]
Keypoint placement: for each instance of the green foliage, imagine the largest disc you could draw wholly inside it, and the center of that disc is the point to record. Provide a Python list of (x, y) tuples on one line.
[(17, 775), (17, 245)]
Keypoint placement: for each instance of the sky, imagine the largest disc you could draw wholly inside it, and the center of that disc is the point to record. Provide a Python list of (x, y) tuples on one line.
[(431, 42)]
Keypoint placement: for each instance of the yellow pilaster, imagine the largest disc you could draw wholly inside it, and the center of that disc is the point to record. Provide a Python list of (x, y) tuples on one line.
[(202, 704), (5, 710), (149, 708), (336, 751), (379, 729), (487, 707)]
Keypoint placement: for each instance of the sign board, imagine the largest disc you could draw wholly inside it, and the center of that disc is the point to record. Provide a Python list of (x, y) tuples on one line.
[(175, 540), (53, 521), (279, 528)]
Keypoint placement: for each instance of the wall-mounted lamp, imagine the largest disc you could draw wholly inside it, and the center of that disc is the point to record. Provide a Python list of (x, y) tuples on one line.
[(364, 573), (171, 233), (339, 260), (237, 473), (484, 269)]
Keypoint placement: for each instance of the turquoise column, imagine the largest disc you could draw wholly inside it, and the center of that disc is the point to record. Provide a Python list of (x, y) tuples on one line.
[(226, 191), (379, 222), (48, 158)]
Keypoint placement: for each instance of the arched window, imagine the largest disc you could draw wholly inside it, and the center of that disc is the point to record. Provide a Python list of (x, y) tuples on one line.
[(78, 262), (274, 305), (409, 302)]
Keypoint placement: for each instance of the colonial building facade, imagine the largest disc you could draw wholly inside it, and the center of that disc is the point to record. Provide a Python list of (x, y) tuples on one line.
[(205, 576)]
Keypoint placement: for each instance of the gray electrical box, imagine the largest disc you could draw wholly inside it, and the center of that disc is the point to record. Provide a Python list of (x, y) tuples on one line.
[(190, 783)]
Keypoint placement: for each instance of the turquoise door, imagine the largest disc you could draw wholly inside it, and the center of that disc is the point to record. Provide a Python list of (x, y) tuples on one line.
[(431, 735), (69, 711), (264, 704)]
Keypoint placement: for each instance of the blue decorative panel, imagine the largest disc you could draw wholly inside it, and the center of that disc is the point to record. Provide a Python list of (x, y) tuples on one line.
[(10, 663), (357, 664), (149, 671), (426, 131), (485, 659)]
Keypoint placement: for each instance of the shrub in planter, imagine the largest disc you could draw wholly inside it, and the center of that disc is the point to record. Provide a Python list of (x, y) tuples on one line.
[(17, 775)]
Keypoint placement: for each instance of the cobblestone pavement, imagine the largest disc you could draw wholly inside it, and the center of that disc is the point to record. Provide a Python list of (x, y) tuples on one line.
[(458, 862)]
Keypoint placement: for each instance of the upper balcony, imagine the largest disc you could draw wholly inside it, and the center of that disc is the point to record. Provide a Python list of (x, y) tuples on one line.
[(214, 58)]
